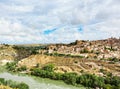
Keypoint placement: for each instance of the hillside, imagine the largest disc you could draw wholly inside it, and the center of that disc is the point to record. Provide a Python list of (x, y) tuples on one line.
[(12, 52), (98, 57), (78, 65)]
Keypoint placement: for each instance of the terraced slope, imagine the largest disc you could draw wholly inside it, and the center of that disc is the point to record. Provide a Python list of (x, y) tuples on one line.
[(78, 65)]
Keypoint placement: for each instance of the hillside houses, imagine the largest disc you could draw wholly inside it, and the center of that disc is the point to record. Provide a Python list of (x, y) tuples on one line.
[(100, 48)]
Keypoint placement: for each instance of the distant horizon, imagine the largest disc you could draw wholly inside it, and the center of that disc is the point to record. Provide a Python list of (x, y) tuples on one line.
[(58, 21), (58, 42)]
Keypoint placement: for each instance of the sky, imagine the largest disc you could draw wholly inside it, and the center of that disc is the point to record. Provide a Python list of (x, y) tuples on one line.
[(58, 21)]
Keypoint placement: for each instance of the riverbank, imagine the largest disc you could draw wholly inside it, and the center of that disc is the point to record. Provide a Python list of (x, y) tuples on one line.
[(38, 83), (35, 82), (86, 79)]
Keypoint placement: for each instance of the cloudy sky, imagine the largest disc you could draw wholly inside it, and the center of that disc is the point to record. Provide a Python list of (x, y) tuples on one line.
[(58, 21)]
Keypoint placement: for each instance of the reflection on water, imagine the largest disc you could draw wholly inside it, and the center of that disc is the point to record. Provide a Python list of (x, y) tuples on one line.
[(38, 83)]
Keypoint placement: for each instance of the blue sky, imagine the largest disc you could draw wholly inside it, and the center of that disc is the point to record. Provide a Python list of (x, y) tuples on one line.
[(58, 21)]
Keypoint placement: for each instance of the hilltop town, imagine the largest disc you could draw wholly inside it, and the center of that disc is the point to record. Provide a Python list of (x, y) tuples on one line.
[(99, 49)]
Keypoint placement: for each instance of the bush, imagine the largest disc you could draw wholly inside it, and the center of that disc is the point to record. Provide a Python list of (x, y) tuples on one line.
[(49, 67), (22, 68), (88, 80), (84, 51), (114, 59), (2, 80), (23, 86), (11, 66), (70, 78), (13, 84), (113, 81), (108, 86)]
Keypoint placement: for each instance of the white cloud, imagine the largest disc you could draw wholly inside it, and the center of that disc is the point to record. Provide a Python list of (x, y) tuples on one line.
[(17, 33), (112, 27), (26, 20)]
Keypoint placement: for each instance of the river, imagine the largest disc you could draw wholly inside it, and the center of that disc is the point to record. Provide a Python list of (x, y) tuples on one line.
[(38, 83)]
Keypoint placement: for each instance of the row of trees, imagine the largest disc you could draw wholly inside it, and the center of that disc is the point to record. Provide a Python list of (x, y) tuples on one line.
[(13, 84), (87, 80), (32, 49), (64, 55)]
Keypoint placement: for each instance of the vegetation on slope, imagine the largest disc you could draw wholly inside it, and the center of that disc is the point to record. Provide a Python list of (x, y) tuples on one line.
[(13, 84), (87, 80)]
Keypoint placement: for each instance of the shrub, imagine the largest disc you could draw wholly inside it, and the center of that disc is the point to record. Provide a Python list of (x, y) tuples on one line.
[(23, 86), (49, 67), (13, 84), (84, 51), (22, 68), (114, 59), (88, 80), (2, 80), (70, 78), (11, 66)]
